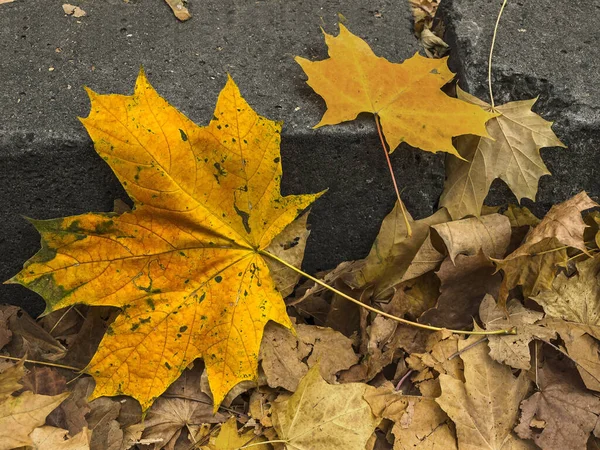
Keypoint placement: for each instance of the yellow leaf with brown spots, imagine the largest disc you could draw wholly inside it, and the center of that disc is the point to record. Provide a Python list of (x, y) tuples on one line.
[(185, 265), (406, 97)]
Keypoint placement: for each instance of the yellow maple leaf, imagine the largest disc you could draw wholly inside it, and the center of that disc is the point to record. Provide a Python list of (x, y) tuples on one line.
[(185, 265), (406, 97)]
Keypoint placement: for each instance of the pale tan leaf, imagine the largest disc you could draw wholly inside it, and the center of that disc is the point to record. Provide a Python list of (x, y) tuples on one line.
[(484, 407), (46, 438), (320, 416), (230, 439), (10, 380), (520, 216), (419, 422), (512, 349), (19, 416), (179, 9)]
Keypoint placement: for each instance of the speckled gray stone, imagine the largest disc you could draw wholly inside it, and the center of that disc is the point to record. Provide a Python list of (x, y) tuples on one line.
[(48, 167), (543, 48)]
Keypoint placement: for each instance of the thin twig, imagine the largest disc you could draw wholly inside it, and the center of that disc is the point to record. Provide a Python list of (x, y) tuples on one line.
[(403, 379), (492, 52), (384, 314), (387, 157), (44, 363), (468, 347)]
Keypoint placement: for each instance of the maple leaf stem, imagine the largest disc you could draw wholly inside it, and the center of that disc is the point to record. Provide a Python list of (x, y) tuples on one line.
[(492, 53), (387, 157), (377, 311), (43, 363)]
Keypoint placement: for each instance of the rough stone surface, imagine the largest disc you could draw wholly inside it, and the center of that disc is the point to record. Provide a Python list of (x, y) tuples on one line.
[(48, 166), (543, 48)]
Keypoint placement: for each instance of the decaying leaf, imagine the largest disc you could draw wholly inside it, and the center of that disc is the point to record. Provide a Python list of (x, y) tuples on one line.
[(406, 97), (419, 422), (485, 407), (287, 358), (511, 153), (45, 438), (561, 414), (464, 285), (320, 416), (72, 10), (513, 349), (184, 266)]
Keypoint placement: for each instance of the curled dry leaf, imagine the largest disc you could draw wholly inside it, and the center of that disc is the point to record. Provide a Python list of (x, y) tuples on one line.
[(406, 97), (393, 252), (485, 406), (561, 414), (490, 234), (511, 153), (185, 265), (513, 349), (419, 422), (320, 416)]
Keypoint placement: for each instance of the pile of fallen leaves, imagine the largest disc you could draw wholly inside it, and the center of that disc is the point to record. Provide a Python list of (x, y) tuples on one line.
[(477, 329)]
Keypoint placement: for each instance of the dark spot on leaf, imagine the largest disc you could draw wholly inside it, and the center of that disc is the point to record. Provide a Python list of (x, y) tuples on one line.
[(183, 328), (183, 135), (218, 278)]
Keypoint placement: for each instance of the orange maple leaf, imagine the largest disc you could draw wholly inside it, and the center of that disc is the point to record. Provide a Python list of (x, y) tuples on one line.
[(406, 97), (185, 266)]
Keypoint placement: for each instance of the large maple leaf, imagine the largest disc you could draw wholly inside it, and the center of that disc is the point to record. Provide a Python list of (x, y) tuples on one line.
[(513, 155), (406, 97), (185, 265)]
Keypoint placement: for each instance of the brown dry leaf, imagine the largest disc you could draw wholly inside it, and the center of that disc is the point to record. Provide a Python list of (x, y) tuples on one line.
[(72, 10), (51, 438), (562, 412), (320, 416), (581, 347), (289, 245), (513, 349), (114, 423), (485, 407), (575, 299), (179, 9), (230, 439), (511, 154), (168, 417), (419, 422), (490, 234), (392, 252), (534, 271), (28, 338), (6, 311), (286, 358), (464, 284)]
